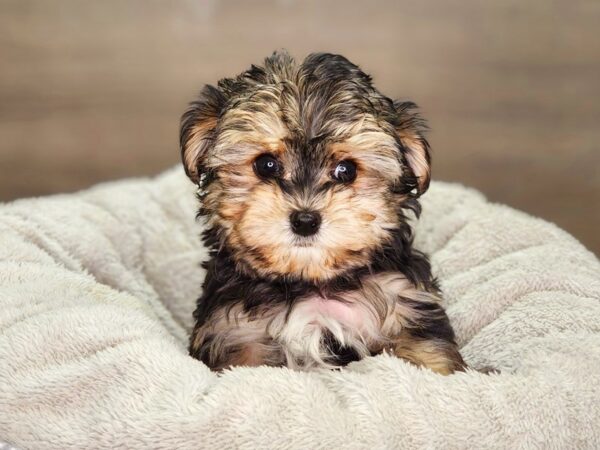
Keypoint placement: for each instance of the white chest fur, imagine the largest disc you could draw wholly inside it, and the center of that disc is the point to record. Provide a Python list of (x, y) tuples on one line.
[(361, 319)]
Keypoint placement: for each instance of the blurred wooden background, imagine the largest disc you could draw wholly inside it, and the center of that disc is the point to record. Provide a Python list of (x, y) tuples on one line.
[(92, 91)]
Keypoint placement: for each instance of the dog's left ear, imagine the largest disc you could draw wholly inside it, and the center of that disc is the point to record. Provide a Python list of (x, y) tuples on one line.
[(198, 125), (410, 128)]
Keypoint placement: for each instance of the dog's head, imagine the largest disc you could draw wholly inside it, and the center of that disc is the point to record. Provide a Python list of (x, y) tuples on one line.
[(305, 168)]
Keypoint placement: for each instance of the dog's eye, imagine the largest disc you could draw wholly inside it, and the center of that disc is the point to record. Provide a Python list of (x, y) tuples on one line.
[(344, 172), (266, 166)]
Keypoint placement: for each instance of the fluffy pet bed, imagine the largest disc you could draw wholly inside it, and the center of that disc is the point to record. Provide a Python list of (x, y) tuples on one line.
[(97, 290)]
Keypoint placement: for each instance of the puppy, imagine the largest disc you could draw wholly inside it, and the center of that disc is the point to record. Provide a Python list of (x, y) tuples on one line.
[(306, 173)]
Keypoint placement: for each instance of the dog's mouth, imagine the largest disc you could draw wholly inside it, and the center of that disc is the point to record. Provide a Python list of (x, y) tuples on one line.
[(304, 243)]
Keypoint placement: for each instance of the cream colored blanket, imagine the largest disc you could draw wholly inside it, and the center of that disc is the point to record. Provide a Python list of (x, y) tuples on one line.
[(96, 297)]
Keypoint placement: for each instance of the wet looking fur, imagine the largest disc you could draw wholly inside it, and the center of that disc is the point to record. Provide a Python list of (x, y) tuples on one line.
[(351, 287)]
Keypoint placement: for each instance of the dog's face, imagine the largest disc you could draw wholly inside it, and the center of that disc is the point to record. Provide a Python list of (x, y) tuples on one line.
[(305, 168)]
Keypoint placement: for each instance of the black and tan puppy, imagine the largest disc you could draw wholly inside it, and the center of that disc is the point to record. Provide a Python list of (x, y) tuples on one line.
[(306, 172)]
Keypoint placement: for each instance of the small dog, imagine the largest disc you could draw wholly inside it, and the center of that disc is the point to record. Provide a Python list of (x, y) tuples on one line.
[(305, 175)]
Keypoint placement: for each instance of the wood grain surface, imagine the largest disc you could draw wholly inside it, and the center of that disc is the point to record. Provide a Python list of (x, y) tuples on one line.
[(92, 91)]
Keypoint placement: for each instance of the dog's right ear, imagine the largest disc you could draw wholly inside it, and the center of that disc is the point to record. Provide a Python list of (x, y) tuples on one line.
[(198, 125), (410, 129)]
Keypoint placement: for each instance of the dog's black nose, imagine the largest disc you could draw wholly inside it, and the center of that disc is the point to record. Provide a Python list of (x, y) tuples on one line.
[(305, 223)]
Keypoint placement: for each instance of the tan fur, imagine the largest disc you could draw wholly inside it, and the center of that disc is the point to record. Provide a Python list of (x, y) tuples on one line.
[(440, 356), (374, 151), (416, 157), (197, 145), (252, 210), (263, 226)]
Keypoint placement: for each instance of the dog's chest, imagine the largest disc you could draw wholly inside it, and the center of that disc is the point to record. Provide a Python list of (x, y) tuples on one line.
[(318, 327), (343, 309), (324, 330), (362, 309)]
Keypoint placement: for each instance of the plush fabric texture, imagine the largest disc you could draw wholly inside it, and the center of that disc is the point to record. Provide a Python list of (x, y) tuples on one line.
[(96, 297)]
